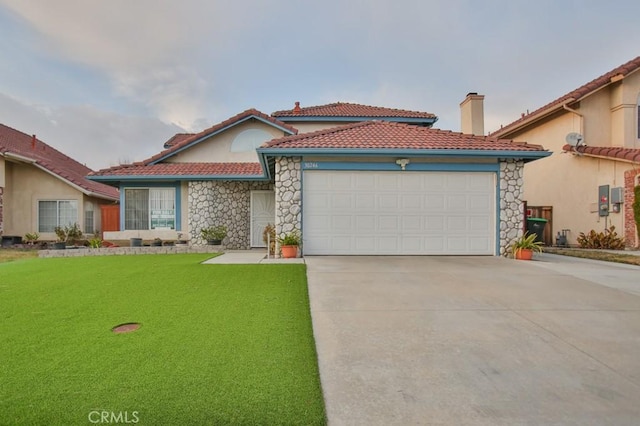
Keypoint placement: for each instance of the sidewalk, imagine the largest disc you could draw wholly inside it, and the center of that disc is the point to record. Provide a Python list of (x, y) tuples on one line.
[(247, 257)]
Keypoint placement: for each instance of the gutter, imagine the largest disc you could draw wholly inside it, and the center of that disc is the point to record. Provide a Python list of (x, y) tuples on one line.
[(564, 106)]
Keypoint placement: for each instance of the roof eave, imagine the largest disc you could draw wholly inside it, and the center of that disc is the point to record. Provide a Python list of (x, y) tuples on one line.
[(312, 118), (120, 178), (473, 153)]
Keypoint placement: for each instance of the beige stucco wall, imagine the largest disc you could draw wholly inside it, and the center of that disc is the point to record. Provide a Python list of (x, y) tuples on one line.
[(2, 171), (567, 182), (25, 186), (218, 147)]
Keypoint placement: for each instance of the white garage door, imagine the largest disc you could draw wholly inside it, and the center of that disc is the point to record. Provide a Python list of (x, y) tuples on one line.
[(386, 213)]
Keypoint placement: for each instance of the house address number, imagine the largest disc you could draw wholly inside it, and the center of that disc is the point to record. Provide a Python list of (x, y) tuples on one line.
[(310, 165)]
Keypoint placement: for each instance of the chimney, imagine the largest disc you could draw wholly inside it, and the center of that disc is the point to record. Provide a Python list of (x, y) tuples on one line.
[(472, 114), (296, 109), (33, 142)]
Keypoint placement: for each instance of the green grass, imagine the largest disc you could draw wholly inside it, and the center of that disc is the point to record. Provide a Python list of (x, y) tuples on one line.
[(618, 257), (219, 344)]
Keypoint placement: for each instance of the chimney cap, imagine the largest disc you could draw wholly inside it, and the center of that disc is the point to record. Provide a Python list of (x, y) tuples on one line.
[(297, 109)]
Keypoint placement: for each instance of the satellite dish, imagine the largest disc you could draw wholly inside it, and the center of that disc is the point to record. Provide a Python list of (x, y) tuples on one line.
[(574, 139)]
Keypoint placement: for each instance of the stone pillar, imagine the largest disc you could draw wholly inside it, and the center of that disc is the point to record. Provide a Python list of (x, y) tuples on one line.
[(511, 203), (288, 187)]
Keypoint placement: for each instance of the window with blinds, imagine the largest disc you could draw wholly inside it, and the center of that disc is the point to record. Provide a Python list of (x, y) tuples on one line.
[(149, 208), (52, 213)]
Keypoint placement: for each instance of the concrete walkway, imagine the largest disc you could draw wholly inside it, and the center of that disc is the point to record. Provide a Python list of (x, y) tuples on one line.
[(476, 340), (248, 257)]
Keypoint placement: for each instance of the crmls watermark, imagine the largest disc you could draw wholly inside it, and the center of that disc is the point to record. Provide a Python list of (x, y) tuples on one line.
[(113, 417)]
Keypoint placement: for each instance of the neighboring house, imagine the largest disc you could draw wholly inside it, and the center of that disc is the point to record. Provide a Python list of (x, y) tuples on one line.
[(588, 181), (41, 188), (359, 180)]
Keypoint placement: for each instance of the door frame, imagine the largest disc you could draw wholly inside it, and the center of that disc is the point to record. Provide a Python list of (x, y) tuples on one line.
[(260, 244)]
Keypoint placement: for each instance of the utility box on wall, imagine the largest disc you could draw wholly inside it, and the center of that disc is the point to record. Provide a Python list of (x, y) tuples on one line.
[(603, 200), (617, 198)]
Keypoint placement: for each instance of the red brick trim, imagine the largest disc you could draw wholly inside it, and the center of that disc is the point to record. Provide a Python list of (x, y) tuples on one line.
[(630, 233)]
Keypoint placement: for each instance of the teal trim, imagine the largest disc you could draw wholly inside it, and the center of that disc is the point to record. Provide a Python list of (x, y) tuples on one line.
[(225, 128), (411, 167), (146, 185), (428, 153), (412, 120)]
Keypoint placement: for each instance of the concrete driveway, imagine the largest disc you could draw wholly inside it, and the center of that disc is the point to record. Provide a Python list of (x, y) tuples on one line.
[(476, 340)]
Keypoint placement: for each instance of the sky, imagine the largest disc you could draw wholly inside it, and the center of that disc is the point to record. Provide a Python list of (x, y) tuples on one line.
[(108, 82)]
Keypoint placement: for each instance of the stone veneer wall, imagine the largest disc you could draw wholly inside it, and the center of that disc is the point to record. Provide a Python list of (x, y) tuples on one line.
[(226, 203), (511, 204), (288, 187)]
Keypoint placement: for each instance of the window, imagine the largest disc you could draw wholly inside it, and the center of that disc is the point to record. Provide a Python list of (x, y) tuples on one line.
[(152, 208), (56, 213), (89, 223)]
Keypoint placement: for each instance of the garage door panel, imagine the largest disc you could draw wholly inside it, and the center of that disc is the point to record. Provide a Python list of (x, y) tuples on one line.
[(389, 224), (367, 212), (434, 202), (342, 223), (388, 202), (365, 201), (342, 201)]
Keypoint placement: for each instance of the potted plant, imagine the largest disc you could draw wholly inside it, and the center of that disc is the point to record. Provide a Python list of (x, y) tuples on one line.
[(214, 234), (524, 247), (66, 235), (289, 244)]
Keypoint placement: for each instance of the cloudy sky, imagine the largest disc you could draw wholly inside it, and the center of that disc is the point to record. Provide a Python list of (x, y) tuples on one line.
[(109, 81)]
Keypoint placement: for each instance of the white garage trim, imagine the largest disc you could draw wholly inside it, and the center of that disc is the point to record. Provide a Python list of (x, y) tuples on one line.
[(394, 212)]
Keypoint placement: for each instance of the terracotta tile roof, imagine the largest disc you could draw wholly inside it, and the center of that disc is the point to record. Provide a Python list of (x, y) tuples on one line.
[(345, 109), (575, 95), (183, 169), (177, 138), (233, 120), (625, 154), (45, 156), (390, 135)]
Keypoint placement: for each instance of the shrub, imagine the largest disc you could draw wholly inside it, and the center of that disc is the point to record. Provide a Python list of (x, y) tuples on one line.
[(608, 239), (636, 208), (68, 234)]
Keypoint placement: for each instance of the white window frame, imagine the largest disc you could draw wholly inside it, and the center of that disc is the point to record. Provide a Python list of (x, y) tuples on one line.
[(57, 213), (164, 213)]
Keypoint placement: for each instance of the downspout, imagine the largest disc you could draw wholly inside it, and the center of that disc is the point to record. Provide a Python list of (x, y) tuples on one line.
[(579, 115)]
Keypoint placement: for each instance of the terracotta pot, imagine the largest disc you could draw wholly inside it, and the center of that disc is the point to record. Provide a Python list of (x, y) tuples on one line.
[(524, 254), (289, 252)]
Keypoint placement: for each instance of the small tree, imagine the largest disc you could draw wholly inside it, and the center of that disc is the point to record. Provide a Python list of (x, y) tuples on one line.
[(636, 209)]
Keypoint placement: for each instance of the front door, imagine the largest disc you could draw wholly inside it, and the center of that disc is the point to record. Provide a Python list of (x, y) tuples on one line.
[(263, 212)]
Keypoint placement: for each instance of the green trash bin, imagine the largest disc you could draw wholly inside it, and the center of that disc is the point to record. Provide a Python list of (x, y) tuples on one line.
[(535, 225)]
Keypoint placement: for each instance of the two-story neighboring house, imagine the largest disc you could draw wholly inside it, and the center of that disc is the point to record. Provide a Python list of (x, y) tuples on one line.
[(350, 178), (41, 188), (594, 134)]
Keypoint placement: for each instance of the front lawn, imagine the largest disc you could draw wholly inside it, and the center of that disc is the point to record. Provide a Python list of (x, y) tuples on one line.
[(219, 344)]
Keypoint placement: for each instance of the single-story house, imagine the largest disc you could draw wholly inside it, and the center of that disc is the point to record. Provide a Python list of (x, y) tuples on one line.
[(41, 188), (593, 133), (355, 180)]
